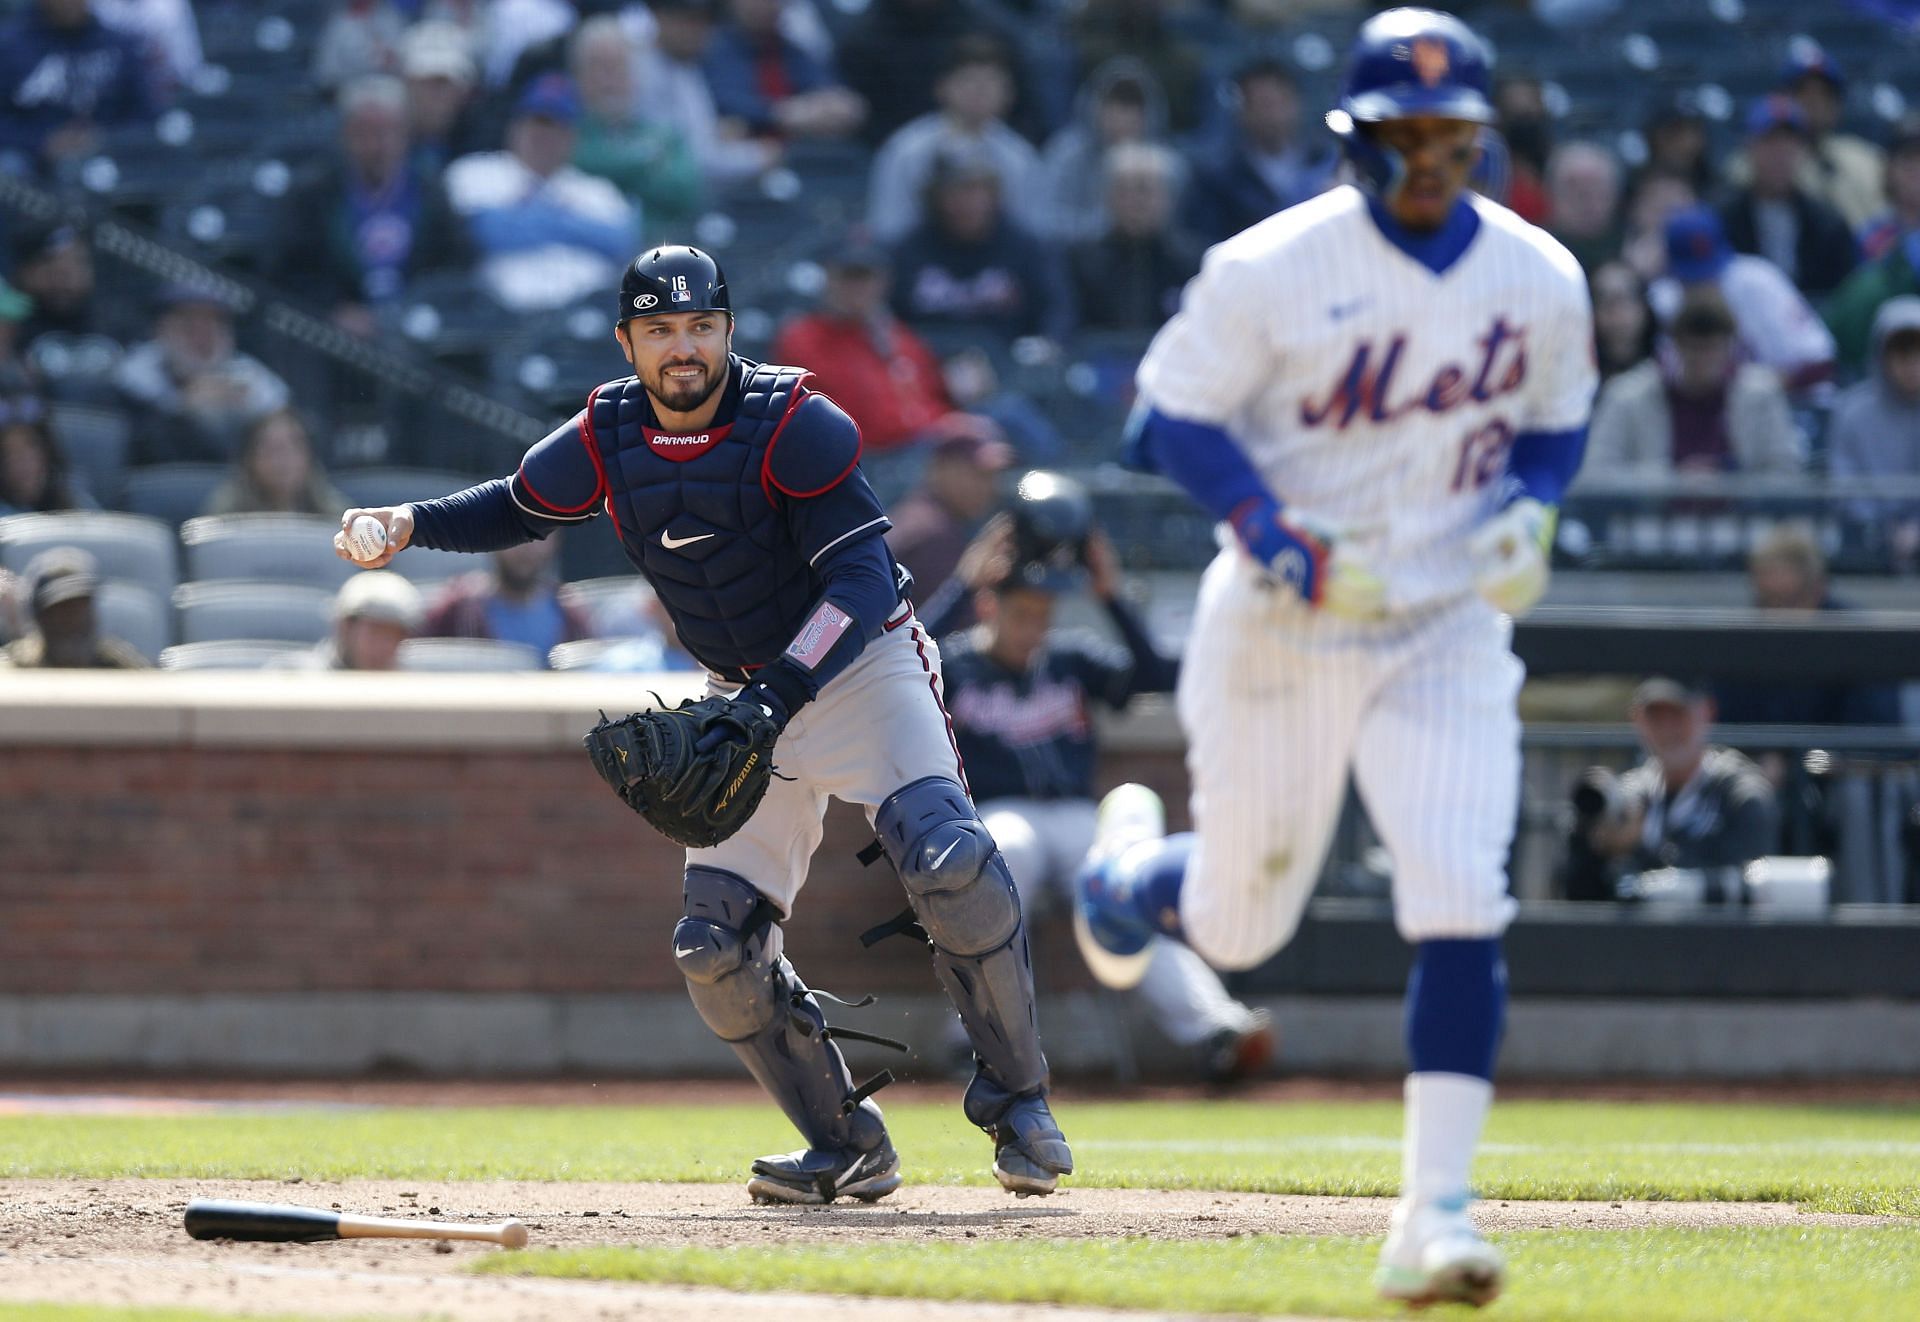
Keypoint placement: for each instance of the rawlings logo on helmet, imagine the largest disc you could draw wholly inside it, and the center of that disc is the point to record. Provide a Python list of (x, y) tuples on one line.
[(644, 301), (1430, 60)]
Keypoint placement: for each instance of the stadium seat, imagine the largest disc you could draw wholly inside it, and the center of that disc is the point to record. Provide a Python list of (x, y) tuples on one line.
[(617, 604), (130, 547), (395, 486), (174, 492), (426, 566), (446, 654), (581, 655), (131, 613), (294, 548), (239, 608), (94, 439), (227, 654)]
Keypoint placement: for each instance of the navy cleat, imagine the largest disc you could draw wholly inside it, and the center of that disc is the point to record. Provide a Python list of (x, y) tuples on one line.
[(814, 1176), (1030, 1154), (1115, 941)]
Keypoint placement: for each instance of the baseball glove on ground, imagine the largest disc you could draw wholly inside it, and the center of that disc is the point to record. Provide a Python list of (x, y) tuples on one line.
[(696, 771)]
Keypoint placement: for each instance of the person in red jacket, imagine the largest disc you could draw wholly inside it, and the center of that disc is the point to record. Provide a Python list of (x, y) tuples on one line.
[(872, 365)]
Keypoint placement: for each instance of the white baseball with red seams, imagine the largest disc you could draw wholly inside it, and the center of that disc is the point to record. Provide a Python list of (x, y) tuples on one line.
[(367, 539), (1378, 398)]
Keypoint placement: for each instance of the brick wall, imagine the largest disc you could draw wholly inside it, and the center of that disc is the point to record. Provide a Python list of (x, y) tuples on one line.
[(179, 868)]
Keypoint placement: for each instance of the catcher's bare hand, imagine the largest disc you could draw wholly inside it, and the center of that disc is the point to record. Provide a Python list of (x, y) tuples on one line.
[(396, 519)]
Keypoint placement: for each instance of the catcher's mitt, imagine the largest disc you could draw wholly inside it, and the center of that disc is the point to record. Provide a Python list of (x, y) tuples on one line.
[(696, 771)]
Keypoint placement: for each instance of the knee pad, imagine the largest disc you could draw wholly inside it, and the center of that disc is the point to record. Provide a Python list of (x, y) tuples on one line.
[(961, 889), (722, 947)]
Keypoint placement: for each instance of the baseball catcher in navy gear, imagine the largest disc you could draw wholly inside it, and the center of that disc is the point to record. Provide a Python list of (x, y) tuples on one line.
[(736, 491)]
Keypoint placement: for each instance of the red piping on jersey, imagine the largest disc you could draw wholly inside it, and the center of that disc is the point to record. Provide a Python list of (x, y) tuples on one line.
[(588, 439), (933, 682), (800, 395)]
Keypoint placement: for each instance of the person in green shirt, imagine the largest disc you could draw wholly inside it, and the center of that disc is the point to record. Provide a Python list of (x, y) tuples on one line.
[(647, 159), (1851, 308)]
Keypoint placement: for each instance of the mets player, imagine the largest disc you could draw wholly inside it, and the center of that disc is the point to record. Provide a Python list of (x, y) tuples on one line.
[(735, 489), (1382, 393)]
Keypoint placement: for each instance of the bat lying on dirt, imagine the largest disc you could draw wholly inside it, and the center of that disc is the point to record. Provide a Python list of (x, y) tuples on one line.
[(211, 1218)]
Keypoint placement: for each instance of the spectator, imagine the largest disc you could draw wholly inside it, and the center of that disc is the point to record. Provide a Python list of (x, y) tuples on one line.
[(974, 92), (1788, 573), (360, 37), (1520, 102), (1853, 307), (64, 75), (191, 392), (1583, 202), (769, 82), (672, 69), (548, 233), (971, 268), (60, 586), (1654, 200), (33, 472), (1021, 696), (870, 362), (1130, 277), (276, 473), (509, 30), (517, 601), (1902, 216), (1106, 30), (1705, 413), (1622, 319), (1775, 325), (1676, 137), (1875, 429), (351, 240), (1690, 805), (1841, 169), (646, 158), (168, 34), (53, 266), (933, 523), (1774, 217), (374, 612), (1265, 165), (16, 377), (974, 386), (443, 118), (888, 50), (1118, 104)]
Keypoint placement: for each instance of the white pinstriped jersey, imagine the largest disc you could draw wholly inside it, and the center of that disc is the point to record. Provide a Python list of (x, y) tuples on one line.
[(1370, 392)]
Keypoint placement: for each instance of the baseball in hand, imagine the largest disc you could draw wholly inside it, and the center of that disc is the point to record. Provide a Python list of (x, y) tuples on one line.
[(366, 538)]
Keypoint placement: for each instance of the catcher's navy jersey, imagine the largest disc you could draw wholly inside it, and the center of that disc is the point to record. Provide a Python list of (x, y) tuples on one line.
[(729, 523), (1029, 734)]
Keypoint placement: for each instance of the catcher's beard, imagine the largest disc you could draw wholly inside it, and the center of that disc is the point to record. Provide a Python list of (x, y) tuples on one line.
[(684, 396)]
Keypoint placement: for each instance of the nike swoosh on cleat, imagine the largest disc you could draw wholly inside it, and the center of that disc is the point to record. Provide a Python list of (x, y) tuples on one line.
[(673, 543)]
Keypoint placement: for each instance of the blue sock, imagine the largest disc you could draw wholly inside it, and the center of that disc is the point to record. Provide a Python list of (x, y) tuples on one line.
[(1456, 1006), (1151, 883)]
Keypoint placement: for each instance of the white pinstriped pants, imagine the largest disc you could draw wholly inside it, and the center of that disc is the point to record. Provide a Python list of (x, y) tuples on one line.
[(1279, 702)]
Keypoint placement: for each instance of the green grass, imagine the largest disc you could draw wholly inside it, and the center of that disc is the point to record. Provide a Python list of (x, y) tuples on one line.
[(1655, 1275), (1827, 1158)]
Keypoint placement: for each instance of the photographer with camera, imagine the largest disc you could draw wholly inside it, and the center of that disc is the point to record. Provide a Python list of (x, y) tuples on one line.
[(1021, 696), (1691, 807)]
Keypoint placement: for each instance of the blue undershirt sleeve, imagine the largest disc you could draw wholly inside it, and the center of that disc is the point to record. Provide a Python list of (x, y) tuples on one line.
[(482, 518), (1202, 458), (858, 594), (1541, 464)]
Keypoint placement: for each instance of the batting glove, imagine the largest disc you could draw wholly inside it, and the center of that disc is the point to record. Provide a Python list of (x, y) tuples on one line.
[(1511, 556), (1307, 557)]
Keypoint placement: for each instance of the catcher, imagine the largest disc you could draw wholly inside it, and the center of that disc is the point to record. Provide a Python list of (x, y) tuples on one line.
[(736, 490)]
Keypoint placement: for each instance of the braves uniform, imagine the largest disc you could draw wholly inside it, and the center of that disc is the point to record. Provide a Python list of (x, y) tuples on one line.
[(763, 542), (1380, 398), (1385, 419), (1027, 737)]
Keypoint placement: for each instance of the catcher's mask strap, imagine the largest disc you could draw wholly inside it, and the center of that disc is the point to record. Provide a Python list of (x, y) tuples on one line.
[(904, 923)]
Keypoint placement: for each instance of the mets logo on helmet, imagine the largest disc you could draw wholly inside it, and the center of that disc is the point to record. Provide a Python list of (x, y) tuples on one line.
[(1430, 60)]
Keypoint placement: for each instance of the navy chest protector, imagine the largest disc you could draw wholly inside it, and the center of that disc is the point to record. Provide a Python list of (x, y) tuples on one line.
[(702, 520)]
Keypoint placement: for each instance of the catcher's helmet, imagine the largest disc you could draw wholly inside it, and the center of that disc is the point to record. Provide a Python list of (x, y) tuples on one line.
[(1052, 517), (673, 279), (1409, 62)]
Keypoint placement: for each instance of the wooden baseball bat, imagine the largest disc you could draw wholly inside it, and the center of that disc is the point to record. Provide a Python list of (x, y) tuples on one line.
[(213, 1218)]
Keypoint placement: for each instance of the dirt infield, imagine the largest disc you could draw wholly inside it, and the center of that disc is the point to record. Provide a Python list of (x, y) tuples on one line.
[(120, 1241)]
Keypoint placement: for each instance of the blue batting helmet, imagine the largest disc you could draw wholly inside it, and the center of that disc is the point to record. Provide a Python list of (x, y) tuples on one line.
[(1408, 62)]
